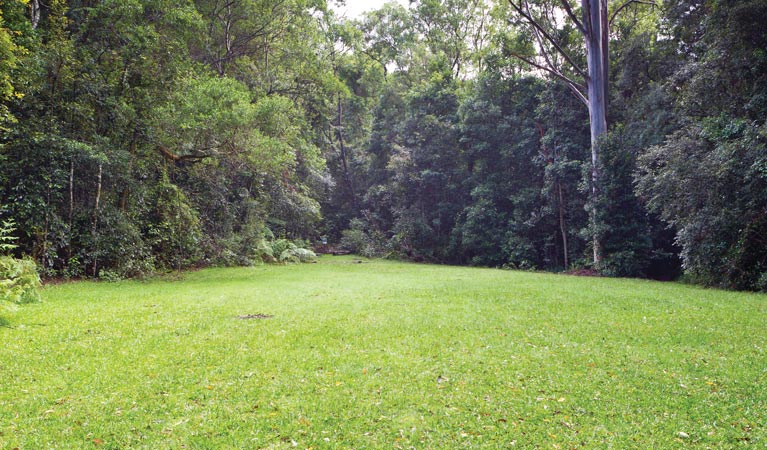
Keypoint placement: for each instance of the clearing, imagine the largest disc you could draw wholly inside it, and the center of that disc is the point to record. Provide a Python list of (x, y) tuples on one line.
[(384, 355)]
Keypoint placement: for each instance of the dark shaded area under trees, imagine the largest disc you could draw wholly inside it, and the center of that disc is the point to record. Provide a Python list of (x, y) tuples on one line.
[(146, 135)]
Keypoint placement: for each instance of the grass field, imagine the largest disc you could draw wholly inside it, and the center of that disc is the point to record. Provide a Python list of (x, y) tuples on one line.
[(384, 355)]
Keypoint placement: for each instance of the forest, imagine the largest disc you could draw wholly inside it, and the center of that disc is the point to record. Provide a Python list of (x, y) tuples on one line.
[(625, 138)]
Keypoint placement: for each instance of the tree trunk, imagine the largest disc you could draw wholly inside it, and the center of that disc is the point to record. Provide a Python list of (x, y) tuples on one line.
[(596, 21), (71, 194), (342, 150), (563, 225), (595, 29), (44, 258), (96, 216), (34, 6), (71, 207)]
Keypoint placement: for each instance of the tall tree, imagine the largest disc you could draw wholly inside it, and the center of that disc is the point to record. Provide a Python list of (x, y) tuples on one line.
[(551, 26)]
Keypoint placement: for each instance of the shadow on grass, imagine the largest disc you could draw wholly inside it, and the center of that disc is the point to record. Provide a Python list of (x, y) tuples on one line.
[(5, 323)]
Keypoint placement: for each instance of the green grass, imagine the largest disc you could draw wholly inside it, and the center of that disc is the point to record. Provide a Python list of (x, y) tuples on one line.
[(384, 355)]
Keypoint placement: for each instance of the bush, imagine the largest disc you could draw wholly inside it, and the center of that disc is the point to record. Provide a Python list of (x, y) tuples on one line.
[(175, 232), (264, 252), (284, 251), (361, 241), (120, 249), (19, 280), (280, 246), (298, 255)]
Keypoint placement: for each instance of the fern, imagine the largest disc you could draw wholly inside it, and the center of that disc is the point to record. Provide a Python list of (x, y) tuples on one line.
[(19, 280), (298, 255), (6, 240)]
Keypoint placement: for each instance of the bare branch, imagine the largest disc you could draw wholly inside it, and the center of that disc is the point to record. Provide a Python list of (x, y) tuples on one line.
[(573, 17), (578, 94), (538, 38), (548, 37), (629, 2), (169, 155), (573, 85)]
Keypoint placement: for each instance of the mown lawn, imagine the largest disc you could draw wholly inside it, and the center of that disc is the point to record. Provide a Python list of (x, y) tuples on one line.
[(384, 355)]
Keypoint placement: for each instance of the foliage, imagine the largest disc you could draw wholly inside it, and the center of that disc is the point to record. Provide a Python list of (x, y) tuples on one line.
[(136, 148), (720, 235), (635, 243), (174, 232), (298, 255), (507, 176), (19, 280), (7, 239), (284, 251), (122, 250), (707, 178), (12, 53), (360, 239)]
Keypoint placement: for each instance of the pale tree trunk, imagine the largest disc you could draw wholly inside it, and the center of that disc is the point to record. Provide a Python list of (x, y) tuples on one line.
[(71, 206), (96, 215), (594, 26), (34, 7), (596, 37), (71, 193), (563, 225)]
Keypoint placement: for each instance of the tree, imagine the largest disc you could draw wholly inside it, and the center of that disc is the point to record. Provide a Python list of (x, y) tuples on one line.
[(455, 30), (552, 43), (389, 37), (510, 218), (137, 147), (357, 81), (10, 55), (708, 177)]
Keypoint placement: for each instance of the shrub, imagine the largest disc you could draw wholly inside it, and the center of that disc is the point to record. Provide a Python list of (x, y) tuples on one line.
[(19, 280), (359, 240), (284, 251), (298, 255), (279, 246), (264, 252), (119, 247)]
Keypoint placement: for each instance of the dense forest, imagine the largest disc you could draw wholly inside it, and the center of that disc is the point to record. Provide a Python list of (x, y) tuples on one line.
[(146, 135)]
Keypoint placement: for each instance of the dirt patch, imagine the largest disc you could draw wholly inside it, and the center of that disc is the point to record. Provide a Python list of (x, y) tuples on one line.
[(255, 316)]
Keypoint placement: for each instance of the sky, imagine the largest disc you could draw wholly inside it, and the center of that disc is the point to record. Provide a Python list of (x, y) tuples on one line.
[(354, 8)]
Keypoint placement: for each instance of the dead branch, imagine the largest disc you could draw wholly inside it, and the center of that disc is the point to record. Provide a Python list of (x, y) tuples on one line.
[(629, 2), (549, 38)]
